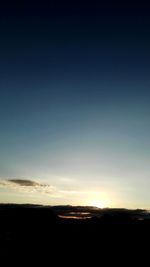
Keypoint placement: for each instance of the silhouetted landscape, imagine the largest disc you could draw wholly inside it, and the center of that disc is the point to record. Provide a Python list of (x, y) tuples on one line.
[(36, 228)]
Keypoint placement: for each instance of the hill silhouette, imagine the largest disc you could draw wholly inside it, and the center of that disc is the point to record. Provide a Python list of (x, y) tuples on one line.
[(45, 230)]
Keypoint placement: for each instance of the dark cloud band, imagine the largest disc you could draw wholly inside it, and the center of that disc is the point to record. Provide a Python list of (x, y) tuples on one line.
[(22, 182)]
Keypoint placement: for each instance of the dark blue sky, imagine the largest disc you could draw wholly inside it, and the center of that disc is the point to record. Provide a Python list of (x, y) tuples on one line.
[(74, 99)]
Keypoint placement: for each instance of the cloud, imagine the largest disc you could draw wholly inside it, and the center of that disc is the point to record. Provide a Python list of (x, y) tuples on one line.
[(36, 189), (27, 186), (24, 182)]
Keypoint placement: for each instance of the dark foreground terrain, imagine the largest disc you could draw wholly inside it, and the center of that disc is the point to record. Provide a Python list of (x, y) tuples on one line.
[(54, 234)]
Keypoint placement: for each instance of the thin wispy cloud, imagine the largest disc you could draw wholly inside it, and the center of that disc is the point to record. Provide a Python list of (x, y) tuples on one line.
[(33, 186), (27, 186), (40, 192)]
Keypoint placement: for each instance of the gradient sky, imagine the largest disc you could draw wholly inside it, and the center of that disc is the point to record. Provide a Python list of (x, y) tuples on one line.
[(75, 103)]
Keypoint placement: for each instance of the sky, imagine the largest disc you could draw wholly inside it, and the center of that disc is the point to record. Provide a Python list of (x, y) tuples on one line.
[(75, 103)]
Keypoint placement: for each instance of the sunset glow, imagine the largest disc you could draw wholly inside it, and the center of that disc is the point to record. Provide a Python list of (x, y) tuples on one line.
[(99, 204)]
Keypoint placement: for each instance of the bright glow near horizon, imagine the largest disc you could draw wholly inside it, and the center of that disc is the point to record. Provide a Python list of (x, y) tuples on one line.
[(99, 204)]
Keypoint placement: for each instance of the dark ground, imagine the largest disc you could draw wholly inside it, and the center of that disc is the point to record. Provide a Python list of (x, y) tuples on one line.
[(36, 232)]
